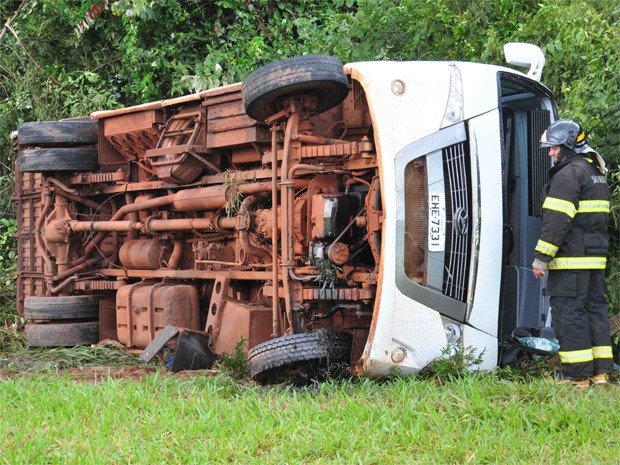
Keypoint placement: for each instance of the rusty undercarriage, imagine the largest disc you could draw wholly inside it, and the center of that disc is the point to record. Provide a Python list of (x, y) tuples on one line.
[(248, 212)]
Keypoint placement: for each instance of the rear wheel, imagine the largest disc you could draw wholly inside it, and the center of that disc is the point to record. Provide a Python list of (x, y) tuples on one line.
[(58, 159), (61, 308), (318, 75), (62, 334), (58, 133), (300, 357)]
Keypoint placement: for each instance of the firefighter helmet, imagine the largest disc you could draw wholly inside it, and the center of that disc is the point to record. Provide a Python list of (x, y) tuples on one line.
[(563, 132)]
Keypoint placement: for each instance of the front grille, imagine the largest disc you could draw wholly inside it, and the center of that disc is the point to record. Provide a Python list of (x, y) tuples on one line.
[(457, 175)]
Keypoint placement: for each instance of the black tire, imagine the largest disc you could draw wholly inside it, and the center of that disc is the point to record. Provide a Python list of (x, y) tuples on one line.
[(58, 133), (320, 75), (299, 357), (62, 334), (56, 159), (61, 308)]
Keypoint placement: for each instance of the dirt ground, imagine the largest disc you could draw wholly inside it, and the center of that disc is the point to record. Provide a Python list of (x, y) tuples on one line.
[(98, 374)]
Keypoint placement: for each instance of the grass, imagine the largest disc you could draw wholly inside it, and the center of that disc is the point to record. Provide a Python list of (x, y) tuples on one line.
[(480, 418), (14, 355), (445, 415)]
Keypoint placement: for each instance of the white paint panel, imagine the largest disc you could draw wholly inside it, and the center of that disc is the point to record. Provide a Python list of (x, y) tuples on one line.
[(482, 343), (398, 120), (485, 139), (480, 87), (401, 119), (414, 327)]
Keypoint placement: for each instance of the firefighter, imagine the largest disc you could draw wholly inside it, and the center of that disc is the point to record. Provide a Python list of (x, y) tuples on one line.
[(573, 247)]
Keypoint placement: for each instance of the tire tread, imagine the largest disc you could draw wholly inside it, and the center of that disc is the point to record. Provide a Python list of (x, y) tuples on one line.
[(282, 353), (61, 308), (66, 334), (58, 133)]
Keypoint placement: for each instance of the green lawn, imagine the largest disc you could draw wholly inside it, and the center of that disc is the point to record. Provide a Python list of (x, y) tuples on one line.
[(49, 418)]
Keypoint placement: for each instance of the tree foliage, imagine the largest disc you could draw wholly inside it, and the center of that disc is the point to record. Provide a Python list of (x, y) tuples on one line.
[(141, 50)]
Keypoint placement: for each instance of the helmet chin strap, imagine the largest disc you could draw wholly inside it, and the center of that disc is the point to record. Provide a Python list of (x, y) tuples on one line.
[(565, 152)]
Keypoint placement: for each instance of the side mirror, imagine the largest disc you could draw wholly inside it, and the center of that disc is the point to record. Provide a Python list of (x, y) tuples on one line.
[(526, 55)]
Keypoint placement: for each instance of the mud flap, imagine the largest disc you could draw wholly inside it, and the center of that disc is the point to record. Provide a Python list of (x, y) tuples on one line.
[(190, 349), (192, 352)]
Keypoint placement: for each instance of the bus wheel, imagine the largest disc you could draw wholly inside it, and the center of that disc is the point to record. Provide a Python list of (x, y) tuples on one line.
[(62, 334), (61, 308), (58, 159), (320, 76), (300, 357), (57, 133)]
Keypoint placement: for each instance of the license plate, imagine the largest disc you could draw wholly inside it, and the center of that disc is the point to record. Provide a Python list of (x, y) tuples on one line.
[(436, 222)]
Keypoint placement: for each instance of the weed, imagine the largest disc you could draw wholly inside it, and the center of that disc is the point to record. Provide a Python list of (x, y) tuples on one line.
[(8, 263), (452, 364), (233, 196), (236, 364), (328, 272), (10, 339), (16, 355), (527, 371)]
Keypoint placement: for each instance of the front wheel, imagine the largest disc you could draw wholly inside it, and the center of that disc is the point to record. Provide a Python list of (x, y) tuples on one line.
[(299, 357), (318, 75)]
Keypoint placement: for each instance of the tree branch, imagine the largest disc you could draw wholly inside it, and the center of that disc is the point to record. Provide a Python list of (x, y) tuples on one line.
[(7, 25)]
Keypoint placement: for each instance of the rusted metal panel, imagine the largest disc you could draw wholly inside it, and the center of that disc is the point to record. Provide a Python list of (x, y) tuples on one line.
[(30, 272), (98, 178), (221, 94), (338, 294), (107, 319), (146, 254), (143, 310), (229, 115), (241, 321), (357, 164), (186, 274), (136, 122), (329, 151), (238, 136), (245, 155), (93, 285), (206, 95), (133, 134), (229, 123)]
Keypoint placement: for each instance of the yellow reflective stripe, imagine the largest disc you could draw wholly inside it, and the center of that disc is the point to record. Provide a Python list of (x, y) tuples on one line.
[(602, 352), (563, 206), (593, 206), (578, 263), (546, 248), (576, 356)]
